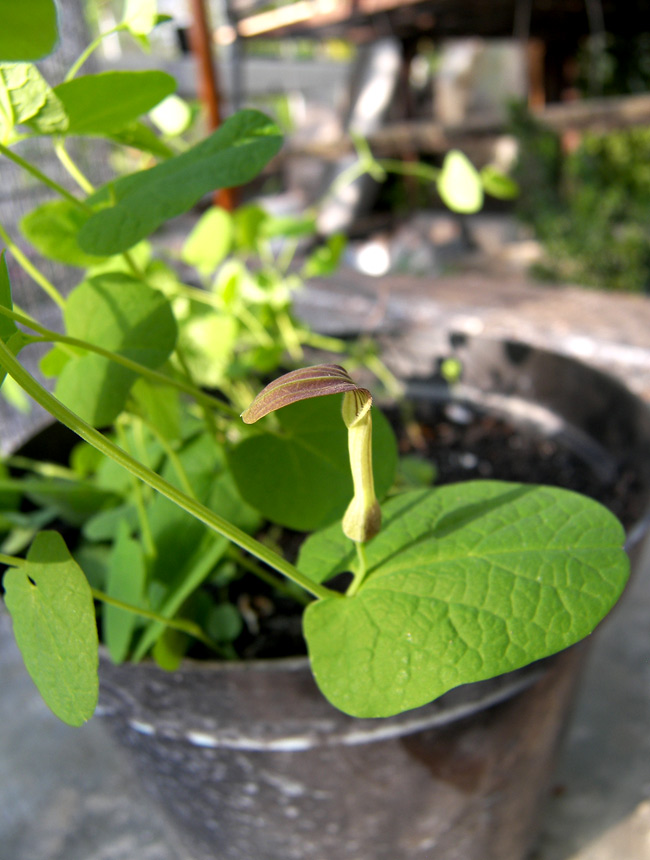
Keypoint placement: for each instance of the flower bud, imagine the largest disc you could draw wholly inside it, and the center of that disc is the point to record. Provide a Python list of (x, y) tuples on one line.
[(362, 519)]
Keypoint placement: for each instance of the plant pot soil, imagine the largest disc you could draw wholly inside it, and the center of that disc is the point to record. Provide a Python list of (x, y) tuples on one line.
[(254, 764)]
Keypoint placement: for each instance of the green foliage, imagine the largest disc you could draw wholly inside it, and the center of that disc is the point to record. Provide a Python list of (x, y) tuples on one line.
[(126, 581), (232, 155), (459, 183), (124, 316), (9, 331), (209, 242), (463, 583), (28, 30), (25, 98), (53, 227), (167, 504), (52, 611), (107, 102), (590, 208), (300, 477)]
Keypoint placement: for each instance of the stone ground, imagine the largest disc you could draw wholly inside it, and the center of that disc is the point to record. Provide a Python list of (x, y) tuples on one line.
[(71, 794)]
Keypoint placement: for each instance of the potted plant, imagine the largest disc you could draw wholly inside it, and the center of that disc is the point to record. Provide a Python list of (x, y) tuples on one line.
[(178, 506)]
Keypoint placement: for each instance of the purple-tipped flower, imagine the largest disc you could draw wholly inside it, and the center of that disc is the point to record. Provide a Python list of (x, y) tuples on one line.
[(362, 519)]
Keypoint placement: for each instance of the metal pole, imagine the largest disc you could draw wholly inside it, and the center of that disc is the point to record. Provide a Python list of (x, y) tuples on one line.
[(208, 89)]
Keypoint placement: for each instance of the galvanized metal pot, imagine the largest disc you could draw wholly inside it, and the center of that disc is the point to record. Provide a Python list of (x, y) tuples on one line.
[(254, 764)]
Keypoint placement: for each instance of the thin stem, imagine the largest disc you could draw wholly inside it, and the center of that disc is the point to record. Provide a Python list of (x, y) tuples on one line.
[(47, 470), (31, 270), (208, 417), (181, 624), (49, 336), (253, 567), (323, 341), (72, 168), (135, 269), (12, 560), (37, 174), (401, 168), (81, 59), (362, 569), (289, 335), (143, 518), (384, 375), (173, 458), (191, 506)]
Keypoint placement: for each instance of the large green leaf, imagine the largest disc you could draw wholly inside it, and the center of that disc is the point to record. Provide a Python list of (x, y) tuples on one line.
[(51, 606), (28, 29), (232, 155), (53, 227), (300, 477), (123, 315), (464, 583), (108, 101), (25, 97)]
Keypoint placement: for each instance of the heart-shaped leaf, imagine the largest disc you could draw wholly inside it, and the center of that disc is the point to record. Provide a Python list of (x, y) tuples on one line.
[(123, 315), (51, 606), (232, 155), (464, 583), (300, 477)]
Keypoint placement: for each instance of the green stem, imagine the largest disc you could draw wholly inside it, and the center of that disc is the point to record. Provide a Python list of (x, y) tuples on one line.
[(362, 570), (12, 560), (173, 458), (81, 59), (135, 269), (181, 624), (145, 529), (323, 341), (289, 335), (37, 467), (71, 167), (49, 336), (208, 417), (406, 168), (191, 506), (37, 174), (253, 567), (31, 270)]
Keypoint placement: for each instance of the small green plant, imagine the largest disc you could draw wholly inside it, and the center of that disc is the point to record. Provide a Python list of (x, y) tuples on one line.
[(169, 500)]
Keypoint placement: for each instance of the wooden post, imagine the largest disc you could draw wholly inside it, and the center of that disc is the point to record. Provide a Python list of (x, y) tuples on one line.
[(208, 89)]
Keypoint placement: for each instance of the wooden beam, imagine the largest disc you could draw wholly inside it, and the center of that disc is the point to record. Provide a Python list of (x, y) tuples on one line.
[(428, 137)]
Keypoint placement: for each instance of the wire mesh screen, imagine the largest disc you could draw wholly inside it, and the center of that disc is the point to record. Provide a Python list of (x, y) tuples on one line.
[(20, 193)]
